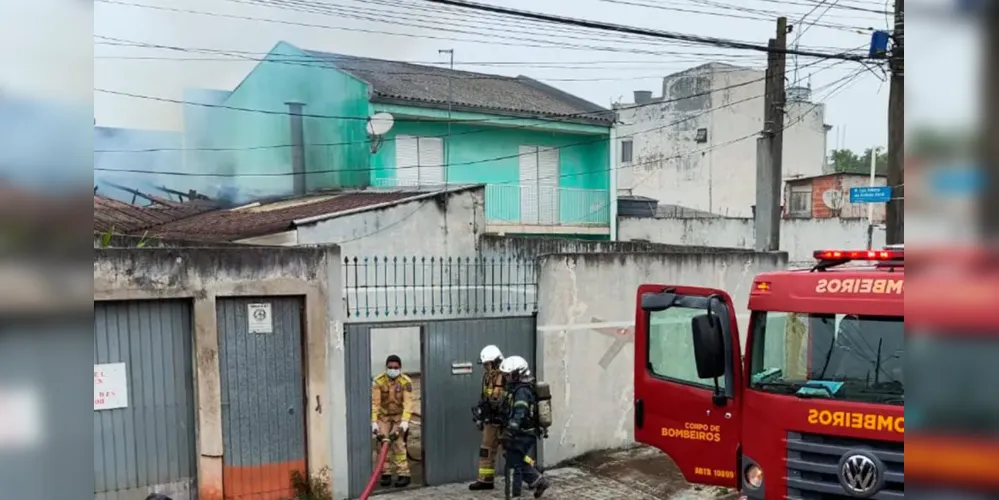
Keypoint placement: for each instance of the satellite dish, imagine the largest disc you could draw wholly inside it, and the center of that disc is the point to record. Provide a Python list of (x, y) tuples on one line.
[(833, 199), (380, 123)]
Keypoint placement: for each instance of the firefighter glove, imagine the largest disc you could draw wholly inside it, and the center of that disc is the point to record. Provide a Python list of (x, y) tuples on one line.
[(374, 428), (404, 425)]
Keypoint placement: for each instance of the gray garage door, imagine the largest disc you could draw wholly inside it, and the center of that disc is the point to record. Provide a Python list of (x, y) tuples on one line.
[(263, 396), (143, 400)]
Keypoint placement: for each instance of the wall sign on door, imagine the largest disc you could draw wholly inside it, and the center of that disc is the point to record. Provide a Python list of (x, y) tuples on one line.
[(110, 386), (259, 318)]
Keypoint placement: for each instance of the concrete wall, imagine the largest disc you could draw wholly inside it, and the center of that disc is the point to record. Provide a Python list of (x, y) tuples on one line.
[(403, 342), (799, 237), (205, 274), (586, 336), (527, 247), (718, 175), (438, 226)]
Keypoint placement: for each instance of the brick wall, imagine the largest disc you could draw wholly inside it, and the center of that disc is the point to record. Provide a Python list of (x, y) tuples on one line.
[(821, 185)]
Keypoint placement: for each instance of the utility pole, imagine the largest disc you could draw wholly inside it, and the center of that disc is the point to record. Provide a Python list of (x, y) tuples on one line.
[(770, 146), (895, 209)]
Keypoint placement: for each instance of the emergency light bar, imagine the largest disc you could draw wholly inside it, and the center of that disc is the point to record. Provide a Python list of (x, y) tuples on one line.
[(848, 255)]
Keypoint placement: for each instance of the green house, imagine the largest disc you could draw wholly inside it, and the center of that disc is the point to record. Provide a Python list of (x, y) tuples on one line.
[(543, 154)]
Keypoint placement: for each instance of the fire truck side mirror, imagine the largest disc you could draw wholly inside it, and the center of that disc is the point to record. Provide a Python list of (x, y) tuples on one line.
[(709, 346), (656, 302)]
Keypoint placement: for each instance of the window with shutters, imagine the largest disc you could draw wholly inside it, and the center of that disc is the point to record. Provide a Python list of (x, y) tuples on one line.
[(539, 185), (419, 161)]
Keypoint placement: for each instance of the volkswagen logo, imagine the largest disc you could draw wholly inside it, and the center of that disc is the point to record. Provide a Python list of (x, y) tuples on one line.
[(861, 474)]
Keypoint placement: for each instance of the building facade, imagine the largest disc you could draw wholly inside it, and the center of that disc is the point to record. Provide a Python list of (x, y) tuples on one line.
[(695, 144), (828, 196), (299, 123)]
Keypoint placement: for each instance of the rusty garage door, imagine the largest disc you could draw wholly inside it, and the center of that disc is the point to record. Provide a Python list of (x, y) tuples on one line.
[(263, 395), (143, 400)]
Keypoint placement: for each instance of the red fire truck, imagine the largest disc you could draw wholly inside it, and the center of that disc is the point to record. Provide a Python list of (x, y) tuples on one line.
[(815, 407)]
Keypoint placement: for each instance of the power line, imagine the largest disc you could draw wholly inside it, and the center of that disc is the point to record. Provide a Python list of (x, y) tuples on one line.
[(767, 17), (495, 36), (583, 23), (850, 77), (276, 146), (120, 42)]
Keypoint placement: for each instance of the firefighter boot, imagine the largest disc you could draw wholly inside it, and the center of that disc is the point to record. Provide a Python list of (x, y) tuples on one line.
[(540, 486), (481, 486), (402, 481), (386, 480)]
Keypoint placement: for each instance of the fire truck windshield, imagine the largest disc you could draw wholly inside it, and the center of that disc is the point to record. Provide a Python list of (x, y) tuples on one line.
[(835, 356)]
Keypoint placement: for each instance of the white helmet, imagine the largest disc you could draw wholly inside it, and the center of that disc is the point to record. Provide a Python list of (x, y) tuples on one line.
[(490, 353), (515, 365)]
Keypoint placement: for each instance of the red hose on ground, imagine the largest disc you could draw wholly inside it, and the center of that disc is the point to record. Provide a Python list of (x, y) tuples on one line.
[(379, 465)]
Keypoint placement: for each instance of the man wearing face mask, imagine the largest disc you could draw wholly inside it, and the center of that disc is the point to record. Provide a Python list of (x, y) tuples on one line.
[(391, 409), (488, 416)]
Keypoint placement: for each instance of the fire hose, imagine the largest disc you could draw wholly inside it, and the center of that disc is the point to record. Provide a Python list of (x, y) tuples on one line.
[(379, 465)]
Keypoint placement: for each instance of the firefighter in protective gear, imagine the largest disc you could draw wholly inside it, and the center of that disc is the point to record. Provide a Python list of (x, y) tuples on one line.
[(520, 429), (391, 409), (488, 416)]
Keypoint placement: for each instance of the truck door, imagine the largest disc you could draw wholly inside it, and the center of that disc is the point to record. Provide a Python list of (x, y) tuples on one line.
[(687, 417)]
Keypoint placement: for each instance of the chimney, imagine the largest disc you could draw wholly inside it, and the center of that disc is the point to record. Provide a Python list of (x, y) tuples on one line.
[(297, 148), (643, 96)]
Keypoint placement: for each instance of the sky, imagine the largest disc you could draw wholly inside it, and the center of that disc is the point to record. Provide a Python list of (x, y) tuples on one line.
[(601, 67)]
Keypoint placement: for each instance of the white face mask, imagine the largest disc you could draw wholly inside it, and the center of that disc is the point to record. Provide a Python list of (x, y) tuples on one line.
[(393, 373)]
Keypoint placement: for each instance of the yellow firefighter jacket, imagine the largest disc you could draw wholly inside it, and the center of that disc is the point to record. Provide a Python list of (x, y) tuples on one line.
[(391, 397)]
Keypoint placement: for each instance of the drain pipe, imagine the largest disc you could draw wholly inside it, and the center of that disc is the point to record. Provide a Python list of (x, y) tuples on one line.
[(612, 171)]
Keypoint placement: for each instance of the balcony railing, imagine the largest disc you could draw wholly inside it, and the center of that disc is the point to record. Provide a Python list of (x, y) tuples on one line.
[(534, 205), (547, 206)]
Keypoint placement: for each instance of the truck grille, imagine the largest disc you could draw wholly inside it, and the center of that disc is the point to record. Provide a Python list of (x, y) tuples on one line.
[(813, 466)]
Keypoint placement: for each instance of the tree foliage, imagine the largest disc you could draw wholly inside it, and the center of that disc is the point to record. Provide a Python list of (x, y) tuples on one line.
[(848, 161), (107, 240)]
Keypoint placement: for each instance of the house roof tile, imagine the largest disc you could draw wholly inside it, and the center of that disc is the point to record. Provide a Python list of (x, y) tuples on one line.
[(119, 217), (258, 219), (433, 86)]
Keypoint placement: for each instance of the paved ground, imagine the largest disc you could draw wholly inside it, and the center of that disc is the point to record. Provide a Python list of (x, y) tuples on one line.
[(639, 474)]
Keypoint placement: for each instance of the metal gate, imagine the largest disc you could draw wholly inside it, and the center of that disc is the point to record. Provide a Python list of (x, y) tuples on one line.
[(450, 387), (357, 340), (263, 396), (143, 400)]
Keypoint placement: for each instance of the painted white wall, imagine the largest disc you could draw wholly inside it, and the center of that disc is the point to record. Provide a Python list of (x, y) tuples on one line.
[(720, 175), (800, 238), (422, 228), (403, 342), (592, 386)]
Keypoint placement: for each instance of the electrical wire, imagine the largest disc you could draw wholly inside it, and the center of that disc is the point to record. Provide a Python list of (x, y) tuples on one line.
[(488, 121), (500, 38), (123, 42), (472, 162), (812, 2), (493, 37), (843, 82), (766, 17), (117, 42), (694, 39)]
